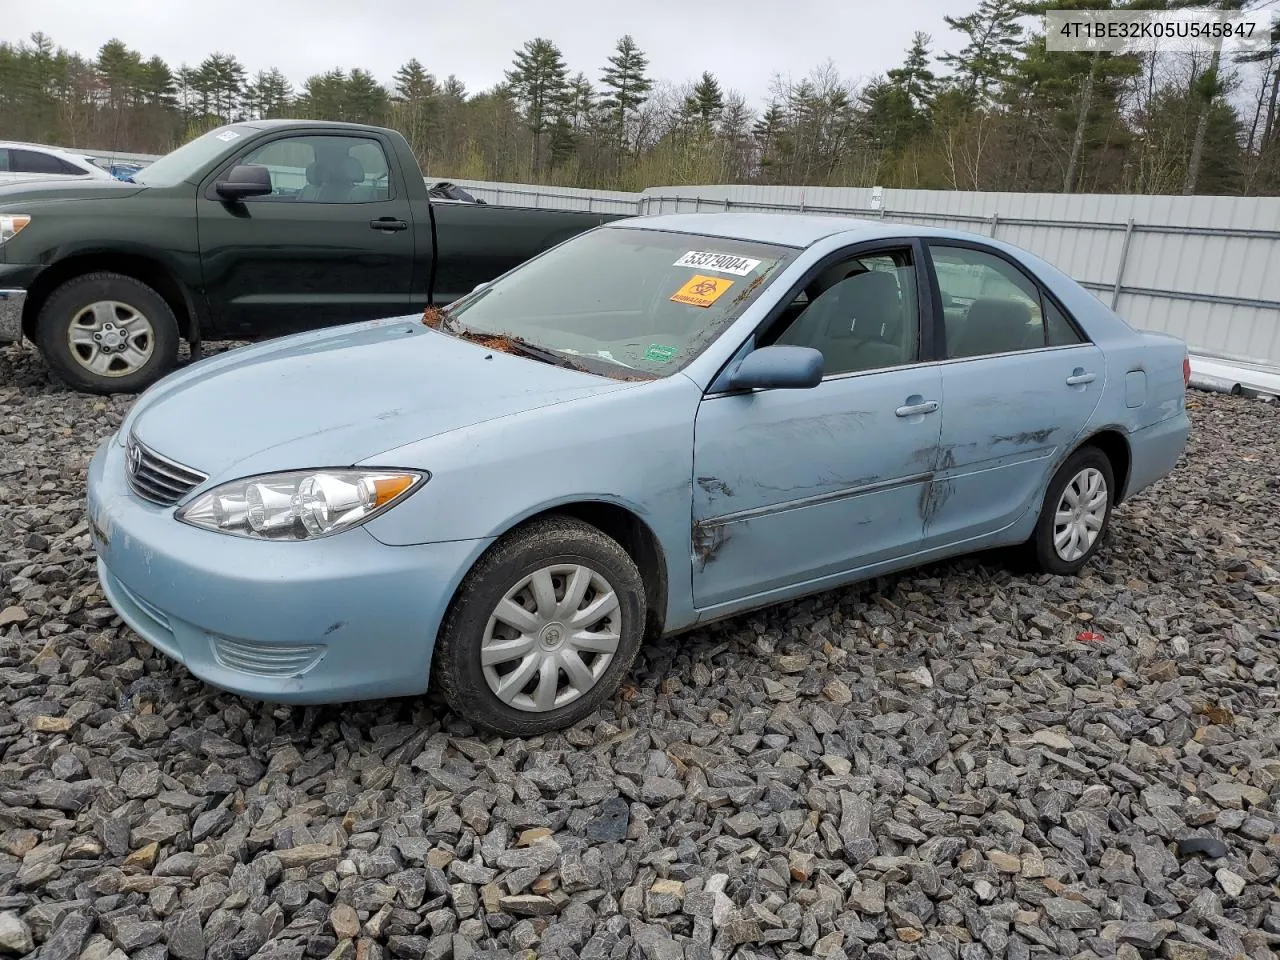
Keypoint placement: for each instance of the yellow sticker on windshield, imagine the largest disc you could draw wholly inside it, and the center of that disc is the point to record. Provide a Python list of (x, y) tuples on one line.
[(702, 291)]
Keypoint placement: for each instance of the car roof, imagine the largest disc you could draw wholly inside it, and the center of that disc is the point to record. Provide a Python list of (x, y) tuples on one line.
[(22, 145), (786, 229)]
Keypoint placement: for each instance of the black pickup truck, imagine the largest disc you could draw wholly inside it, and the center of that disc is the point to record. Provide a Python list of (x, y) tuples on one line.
[(250, 231)]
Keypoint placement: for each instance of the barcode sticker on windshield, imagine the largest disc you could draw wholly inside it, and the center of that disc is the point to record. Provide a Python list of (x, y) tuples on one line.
[(719, 262), (226, 136)]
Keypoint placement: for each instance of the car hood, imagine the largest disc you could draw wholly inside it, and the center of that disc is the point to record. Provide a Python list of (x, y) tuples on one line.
[(341, 396), (26, 191)]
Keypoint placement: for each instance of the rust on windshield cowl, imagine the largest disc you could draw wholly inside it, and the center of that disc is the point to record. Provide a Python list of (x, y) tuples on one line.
[(434, 318)]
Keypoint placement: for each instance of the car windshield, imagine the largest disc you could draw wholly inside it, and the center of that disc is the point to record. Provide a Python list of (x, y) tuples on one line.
[(624, 301), (190, 158)]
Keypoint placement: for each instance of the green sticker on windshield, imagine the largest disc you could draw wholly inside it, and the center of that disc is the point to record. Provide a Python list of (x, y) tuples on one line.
[(660, 353)]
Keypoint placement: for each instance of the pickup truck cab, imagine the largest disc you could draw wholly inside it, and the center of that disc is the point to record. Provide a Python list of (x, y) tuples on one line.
[(253, 230)]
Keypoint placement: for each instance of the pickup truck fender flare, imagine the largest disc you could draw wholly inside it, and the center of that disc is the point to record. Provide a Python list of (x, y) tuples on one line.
[(144, 266)]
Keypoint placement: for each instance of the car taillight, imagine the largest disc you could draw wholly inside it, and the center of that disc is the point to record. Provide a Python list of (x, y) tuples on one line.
[(1186, 370)]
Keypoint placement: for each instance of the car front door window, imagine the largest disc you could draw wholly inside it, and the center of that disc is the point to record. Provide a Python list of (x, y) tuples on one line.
[(862, 316)]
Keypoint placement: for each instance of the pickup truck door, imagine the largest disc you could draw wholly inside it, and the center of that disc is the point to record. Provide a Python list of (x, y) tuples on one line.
[(332, 243)]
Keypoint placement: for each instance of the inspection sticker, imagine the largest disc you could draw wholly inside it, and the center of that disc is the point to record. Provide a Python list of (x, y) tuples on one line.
[(660, 352), (702, 291), (226, 136), (719, 262)]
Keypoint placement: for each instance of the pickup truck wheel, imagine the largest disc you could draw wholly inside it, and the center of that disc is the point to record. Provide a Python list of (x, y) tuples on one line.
[(108, 333), (542, 630)]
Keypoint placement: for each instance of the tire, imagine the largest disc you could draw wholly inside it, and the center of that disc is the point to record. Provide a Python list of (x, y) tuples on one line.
[(128, 313), (542, 545), (1086, 466)]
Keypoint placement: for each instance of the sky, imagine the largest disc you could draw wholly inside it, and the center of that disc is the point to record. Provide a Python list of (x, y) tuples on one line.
[(743, 42)]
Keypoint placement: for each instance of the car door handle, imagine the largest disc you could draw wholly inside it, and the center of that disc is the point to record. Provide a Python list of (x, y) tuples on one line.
[(388, 223), (1078, 378), (915, 409)]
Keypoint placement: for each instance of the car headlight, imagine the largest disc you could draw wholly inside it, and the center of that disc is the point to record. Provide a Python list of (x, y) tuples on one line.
[(11, 224), (300, 505)]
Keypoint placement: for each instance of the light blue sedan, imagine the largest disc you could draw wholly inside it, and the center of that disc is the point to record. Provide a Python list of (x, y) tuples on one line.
[(659, 423)]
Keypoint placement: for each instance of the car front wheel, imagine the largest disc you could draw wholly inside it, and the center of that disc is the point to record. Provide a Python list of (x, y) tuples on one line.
[(543, 629), (1076, 512)]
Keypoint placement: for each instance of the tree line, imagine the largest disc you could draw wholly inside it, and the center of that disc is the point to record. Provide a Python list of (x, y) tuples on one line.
[(1001, 112)]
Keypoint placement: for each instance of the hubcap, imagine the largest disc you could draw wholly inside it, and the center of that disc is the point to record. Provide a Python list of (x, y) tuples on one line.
[(1080, 513), (111, 339), (551, 638)]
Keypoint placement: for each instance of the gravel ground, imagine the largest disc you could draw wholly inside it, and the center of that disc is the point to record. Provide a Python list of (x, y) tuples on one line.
[(933, 765)]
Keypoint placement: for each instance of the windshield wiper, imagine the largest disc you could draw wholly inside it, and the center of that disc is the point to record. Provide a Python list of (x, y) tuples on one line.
[(507, 343)]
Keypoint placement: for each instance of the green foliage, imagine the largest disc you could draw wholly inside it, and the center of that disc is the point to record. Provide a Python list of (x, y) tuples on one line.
[(1000, 112)]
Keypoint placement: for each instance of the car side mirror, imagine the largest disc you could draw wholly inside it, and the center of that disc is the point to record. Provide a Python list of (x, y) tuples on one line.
[(778, 368), (245, 180)]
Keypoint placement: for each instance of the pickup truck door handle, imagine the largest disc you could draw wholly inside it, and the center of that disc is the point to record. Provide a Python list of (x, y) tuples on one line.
[(388, 223), (1079, 376), (915, 409)]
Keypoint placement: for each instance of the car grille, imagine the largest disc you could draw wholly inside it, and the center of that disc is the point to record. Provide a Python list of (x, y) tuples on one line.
[(156, 478)]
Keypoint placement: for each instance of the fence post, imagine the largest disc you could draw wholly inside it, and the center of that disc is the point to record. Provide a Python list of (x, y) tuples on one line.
[(591, 204), (726, 203), (1124, 257), (697, 205), (995, 222)]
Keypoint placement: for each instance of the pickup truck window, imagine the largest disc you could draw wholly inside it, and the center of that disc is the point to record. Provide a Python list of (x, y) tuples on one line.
[(621, 299), (324, 169)]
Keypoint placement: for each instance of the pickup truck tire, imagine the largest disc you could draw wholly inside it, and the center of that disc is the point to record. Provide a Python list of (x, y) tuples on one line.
[(556, 600), (107, 333)]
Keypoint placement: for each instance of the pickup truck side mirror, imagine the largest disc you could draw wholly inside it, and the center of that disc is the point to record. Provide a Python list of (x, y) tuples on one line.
[(245, 180)]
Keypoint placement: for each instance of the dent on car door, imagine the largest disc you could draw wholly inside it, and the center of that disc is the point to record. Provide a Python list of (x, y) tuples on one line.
[(1020, 383), (794, 486)]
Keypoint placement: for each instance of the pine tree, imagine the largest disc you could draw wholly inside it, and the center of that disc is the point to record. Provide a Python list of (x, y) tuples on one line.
[(413, 84), (705, 103), (268, 95), (993, 31), (537, 83), (914, 78), (629, 85)]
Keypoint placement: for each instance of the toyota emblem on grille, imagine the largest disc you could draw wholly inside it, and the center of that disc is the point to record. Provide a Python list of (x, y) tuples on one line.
[(134, 454)]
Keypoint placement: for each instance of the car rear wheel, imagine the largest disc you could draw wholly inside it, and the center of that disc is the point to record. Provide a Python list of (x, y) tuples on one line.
[(543, 629), (108, 333), (1076, 513)]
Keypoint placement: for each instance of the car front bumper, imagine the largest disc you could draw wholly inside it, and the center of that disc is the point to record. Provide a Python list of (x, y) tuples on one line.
[(334, 620), (11, 304)]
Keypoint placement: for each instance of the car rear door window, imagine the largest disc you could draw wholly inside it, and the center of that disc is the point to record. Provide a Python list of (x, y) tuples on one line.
[(32, 161), (990, 307)]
